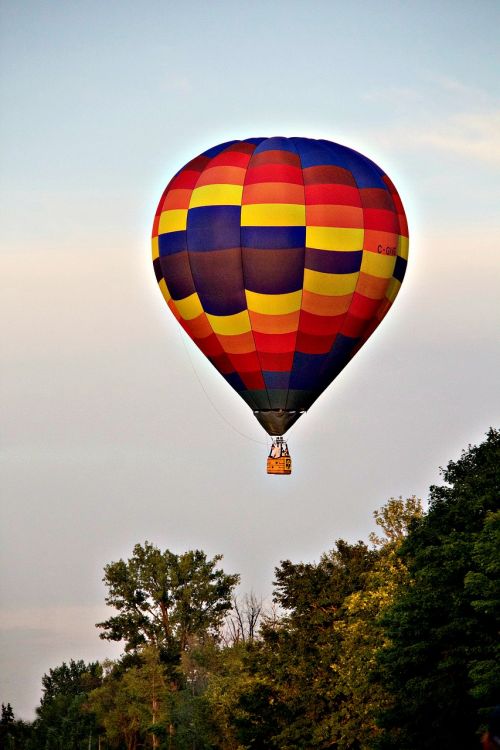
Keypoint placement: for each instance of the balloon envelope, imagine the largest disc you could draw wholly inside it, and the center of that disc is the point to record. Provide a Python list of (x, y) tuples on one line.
[(280, 257)]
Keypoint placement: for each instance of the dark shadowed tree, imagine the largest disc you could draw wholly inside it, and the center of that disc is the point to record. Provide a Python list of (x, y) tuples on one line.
[(441, 664)]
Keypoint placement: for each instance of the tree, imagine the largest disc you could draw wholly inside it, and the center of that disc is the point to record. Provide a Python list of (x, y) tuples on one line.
[(163, 599), (440, 662), (61, 720)]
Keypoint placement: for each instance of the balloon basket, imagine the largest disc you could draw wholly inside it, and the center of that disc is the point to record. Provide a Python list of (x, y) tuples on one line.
[(279, 460)]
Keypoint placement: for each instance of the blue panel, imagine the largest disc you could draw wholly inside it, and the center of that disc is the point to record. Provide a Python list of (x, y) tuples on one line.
[(256, 141), (399, 269), (313, 153), (213, 228), (274, 379), (235, 381), (217, 149), (172, 242), (332, 261), (306, 371), (276, 143), (365, 172), (273, 237)]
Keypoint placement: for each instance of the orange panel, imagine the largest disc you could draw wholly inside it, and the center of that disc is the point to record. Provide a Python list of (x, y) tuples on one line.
[(331, 215), (240, 344), (371, 286), (222, 176), (385, 243), (274, 323), (177, 198), (273, 192), (198, 327), (320, 304)]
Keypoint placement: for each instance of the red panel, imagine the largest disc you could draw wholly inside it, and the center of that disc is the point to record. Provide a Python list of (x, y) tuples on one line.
[(209, 345), (276, 362), (156, 225), (386, 221), (274, 342), (185, 179), (354, 327), (376, 198), (245, 362), (253, 380), (276, 157), (403, 225), (344, 195), (273, 192), (274, 173), (363, 307), (328, 174), (320, 325), (177, 198), (230, 159), (308, 344), (222, 364)]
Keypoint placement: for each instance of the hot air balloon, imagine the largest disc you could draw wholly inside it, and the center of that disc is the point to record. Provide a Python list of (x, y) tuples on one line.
[(279, 257)]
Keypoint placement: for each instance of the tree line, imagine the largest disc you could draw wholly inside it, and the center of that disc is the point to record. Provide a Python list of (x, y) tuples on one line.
[(385, 644)]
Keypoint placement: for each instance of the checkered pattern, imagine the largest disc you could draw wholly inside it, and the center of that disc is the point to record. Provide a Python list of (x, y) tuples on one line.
[(280, 257)]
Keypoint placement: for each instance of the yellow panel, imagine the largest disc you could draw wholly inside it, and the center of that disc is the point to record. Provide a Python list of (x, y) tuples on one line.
[(377, 264), (173, 221), (273, 304), (273, 215), (331, 284), (189, 307), (164, 290), (216, 195), (392, 289), (155, 247), (230, 325), (334, 238), (403, 247)]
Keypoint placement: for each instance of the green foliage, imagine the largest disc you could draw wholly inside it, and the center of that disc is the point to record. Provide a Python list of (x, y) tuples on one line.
[(163, 599), (441, 661), (61, 718)]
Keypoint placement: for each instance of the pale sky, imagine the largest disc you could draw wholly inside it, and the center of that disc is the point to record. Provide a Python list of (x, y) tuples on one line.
[(108, 437)]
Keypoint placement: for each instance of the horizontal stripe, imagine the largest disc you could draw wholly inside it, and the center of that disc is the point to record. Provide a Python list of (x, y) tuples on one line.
[(265, 342), (386, 221), (190, 307), (377, 264), (338, 195), (399, 269), (320, 304), (403, 243), (320, 325), (311, 344), (377, 241), (273, 271), (273, 192), (172, 242), (333, 261), (155, 247), (248, 362), (176, 270), (274, 323), (393, 289), (218, 279), (276, 362), (328, 283), (185, 179), (273, 215), (172, 221), (273, 304), (354, 327), (230, 325), (199, 327), (326, 174), (334, 215), (272, 237), (231, 159), (240, 344), (177, 198), (216, 195), (371, 286), (221, 176), (274, 156), (273, 173), (363, 307), (376, 198), (213, 228), (164, 290), (334, 238)]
